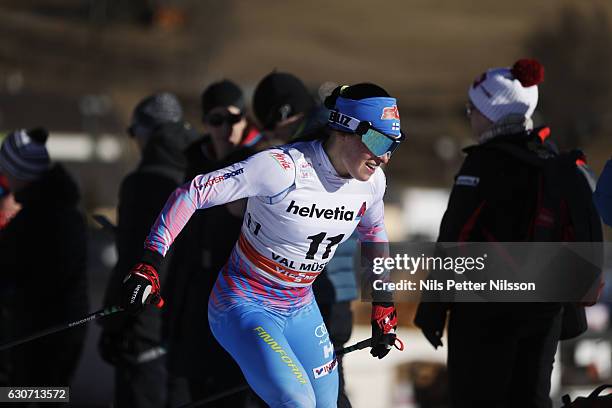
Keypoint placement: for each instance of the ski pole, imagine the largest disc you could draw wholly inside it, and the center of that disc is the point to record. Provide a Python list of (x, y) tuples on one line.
[(89, 318), (368, 343), (357, 346)]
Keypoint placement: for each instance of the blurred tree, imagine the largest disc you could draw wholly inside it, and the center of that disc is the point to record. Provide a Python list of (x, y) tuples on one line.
[(576, 93)]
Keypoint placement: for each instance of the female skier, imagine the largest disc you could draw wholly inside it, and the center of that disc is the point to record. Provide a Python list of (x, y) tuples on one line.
[(303, 200)]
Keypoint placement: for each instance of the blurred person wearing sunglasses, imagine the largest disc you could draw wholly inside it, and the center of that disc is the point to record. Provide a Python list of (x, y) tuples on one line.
[(303, 200), (224, 119), (133, 344)]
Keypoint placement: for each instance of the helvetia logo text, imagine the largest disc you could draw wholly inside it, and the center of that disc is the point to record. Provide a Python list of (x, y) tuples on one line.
[(312, 211)]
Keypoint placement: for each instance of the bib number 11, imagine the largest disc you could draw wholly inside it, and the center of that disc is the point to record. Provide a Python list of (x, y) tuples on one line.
[(316, 241)]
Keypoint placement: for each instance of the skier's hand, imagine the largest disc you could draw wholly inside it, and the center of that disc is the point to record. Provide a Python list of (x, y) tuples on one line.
[(141, 286), (384, 323)]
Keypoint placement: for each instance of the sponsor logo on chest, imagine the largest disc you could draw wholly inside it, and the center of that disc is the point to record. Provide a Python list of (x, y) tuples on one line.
[(313, 211)]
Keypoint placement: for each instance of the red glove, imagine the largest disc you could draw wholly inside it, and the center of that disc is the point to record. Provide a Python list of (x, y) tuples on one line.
[(140, 287), (384, 323)]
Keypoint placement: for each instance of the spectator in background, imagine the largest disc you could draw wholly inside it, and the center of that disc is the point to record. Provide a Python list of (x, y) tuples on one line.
[(233, 138), (224, 119), (500, 354), (200, 251), (132, 344), (287, 111), (43, 262), (283, 107), (603, 194), (8, 209), (226, 128)]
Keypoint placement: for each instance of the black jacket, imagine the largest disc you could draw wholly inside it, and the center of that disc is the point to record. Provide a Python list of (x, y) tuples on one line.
[(43, 255), (493, 199), (496, 190)]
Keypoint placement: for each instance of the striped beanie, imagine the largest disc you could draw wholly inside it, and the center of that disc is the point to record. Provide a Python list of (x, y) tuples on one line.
[(23, 154)]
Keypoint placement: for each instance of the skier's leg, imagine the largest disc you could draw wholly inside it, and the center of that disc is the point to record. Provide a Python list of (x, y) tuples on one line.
[(309, 339), (253, 337)]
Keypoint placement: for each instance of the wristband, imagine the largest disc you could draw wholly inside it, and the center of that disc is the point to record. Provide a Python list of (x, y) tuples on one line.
[(152, 258)]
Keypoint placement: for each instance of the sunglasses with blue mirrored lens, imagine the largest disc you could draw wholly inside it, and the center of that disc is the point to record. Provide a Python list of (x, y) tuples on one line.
[(378, 143)]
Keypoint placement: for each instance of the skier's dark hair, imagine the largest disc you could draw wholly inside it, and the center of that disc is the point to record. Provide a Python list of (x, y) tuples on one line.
[(356, 92)]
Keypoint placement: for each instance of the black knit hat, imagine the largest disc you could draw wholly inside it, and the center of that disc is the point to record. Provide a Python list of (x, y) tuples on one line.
[(223, 93), (155, 110), (278, 96)]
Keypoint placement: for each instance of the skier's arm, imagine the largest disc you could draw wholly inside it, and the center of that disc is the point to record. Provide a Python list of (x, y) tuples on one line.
[(371, 227), (375, 244), (264, 174), (373, 238), (371, 231)]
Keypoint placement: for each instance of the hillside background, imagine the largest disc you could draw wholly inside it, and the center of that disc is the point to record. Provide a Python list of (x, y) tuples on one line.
[(425, 52)]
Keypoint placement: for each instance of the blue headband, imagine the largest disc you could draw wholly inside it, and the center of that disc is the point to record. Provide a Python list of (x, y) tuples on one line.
[(381, 112)]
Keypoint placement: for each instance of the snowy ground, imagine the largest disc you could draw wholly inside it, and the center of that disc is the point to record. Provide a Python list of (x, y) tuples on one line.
[(373, 383)]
